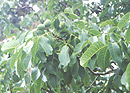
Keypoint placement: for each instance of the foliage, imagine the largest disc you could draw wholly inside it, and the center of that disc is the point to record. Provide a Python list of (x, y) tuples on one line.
[(66, 46)]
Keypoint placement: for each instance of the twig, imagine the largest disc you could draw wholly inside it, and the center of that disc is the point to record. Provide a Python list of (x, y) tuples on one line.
[(46, 90), (92, 84), (100, 73), (62, 4), (57, 37)]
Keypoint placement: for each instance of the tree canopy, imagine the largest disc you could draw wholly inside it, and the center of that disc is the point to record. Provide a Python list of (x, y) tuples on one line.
[(64, 46)]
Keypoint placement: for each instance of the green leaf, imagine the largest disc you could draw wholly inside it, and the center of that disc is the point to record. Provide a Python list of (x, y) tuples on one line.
[(93, 49), (124, 49), (123, 20), (75, 69), (86, 79), (3, 63), (10, 45), (77, 5), (68, 21), (50, 68), (115, 53), (35, 73), (36, 87), (107, 22), (56, 23), (103, 58), (128, 74), (94, 32), (81, 72), (93, 39), (53, 80), (14, 58), (80, 24), (8, 66), (29, 35), (41, 56), (73, 16), (73, 85), (45, 44), (116, 80), (124, 80), (64, 56), (83, 37), (112, 29), (68, 10), (67, 76), (15, 78), (50, 5), (20, 70), (26, 62), (92, 62), (94, 19), (35, 47), (127, 35), (19, 89), (27, 48), (78, 48), (114, 36), (21, 37), (104, 12), (102, 38), (27, 78), (34, 61)]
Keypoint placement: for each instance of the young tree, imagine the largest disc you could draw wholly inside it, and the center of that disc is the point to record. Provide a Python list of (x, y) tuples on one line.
[(64, 46)]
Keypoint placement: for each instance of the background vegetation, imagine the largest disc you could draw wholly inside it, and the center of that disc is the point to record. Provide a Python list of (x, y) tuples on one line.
[(64, 46)]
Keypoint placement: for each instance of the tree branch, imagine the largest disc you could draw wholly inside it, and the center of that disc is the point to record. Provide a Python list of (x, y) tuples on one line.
[(100, 73), (92, 84)]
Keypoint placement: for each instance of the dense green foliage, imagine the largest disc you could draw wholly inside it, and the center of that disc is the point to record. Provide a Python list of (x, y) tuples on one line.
[(64, 46)]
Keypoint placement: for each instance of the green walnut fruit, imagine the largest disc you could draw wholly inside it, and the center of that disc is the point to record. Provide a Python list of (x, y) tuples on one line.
[(47, 23), (40, 32), (41, 27), (62, 25), (68, 10)]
